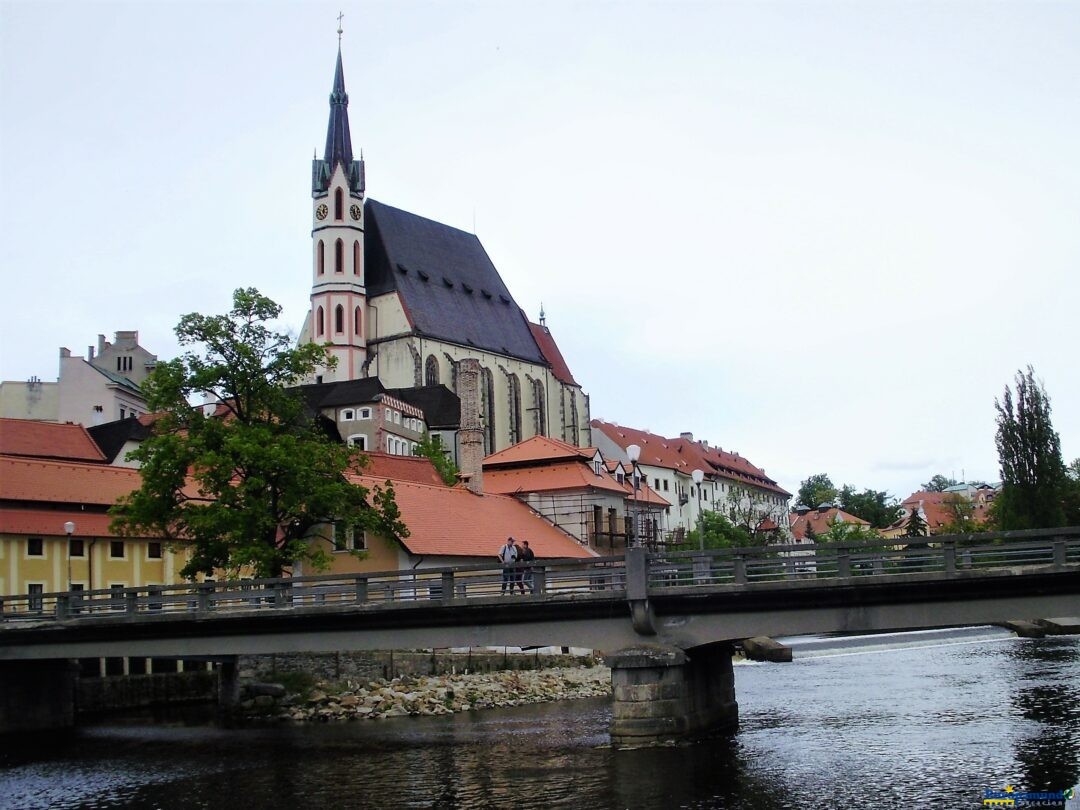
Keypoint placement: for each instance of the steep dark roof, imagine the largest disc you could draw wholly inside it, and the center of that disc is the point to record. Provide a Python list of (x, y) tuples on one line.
[(441, 406), (448, 285), (346, 392), (111, 436), (552, 354), (338, 138)]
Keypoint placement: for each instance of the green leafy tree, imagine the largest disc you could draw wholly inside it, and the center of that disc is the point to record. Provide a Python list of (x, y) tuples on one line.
[(810, 534), (1072, 494), (961, 514), (939, 483), (719, 533), (875, 507), (917, 526), (816, 490), (846, 532), (431, 447), (250, 485), (1029, 453)]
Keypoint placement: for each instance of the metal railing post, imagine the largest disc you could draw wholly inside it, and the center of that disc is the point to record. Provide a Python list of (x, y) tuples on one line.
[(878, 564), (1060, 552), (949, 550), (361, 590), (203, 594), (63, 606), (843, 563), (131, 601), (539, 576), (738, 564), (448, 587)]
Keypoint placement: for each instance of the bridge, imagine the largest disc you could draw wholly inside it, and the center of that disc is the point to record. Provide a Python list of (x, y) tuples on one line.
[(666, 621)]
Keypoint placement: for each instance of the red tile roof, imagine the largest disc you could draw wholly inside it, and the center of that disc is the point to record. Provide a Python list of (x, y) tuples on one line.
[(548, 348), (538, 448), (402, 468), (821, 521), (63, 442), (454, 522), (24, 479), (685, 456), (50, 523), (936, 507), (556, 476)]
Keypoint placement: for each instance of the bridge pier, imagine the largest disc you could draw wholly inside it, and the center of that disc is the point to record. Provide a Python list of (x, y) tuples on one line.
[(228, 684), (663, 694), (37, 695)]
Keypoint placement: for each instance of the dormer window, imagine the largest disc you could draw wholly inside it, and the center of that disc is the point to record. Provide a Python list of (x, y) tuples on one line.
[(347, 415), (596, 466)]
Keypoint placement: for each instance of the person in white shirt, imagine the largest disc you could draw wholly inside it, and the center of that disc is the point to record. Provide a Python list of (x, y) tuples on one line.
[(508, 555)]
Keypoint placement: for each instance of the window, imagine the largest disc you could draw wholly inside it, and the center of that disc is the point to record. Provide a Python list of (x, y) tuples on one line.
[(339, 204), (34, 591), (665, 485), (35, 547), (153, 551), (356, 258), (322, 257), (515, 409), (358, 441), (116, 549), (347, 415), (397, 417), (339, 256), (76, 548), (365, 413), (596, 466), (339, 319), (657, 480), (539, 410), (431, 371), (487, 392), (620, 477), (320, 325), (123, 413), (356, 322), (349, 538)]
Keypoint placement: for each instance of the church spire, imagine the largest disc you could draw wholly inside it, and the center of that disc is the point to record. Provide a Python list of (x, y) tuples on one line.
[(338, 140)]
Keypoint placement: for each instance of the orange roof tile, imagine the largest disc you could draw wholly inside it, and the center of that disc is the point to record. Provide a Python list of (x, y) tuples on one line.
[(454, 522), (538, 448), (50, 523), (566, 475), (938, 512), (24, 479), (550, 350), (402, 468), (820, 521), (23, 437)]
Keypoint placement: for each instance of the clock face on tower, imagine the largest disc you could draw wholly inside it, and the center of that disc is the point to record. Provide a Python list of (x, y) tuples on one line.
[(355, 212), (321, 212)]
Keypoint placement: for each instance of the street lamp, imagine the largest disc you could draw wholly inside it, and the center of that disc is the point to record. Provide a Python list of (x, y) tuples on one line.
[(69, 528), (698, 476), (633, 452)]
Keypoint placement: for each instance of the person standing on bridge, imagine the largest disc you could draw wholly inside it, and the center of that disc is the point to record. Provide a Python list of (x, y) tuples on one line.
[(508, 555), (526, 555)]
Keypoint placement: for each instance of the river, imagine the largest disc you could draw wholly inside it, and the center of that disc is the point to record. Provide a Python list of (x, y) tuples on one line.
[(887, 726)]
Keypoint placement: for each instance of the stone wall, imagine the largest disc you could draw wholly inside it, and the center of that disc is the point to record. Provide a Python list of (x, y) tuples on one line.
[(36, 695), (372, 665), (137, 691)]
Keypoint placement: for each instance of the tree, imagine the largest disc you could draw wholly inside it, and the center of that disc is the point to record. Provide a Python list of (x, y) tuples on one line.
[(248, 485), (719, 533), (1029, 453), (810, 534), (916, 526), (875, 507), (816, 490), (845, 532), (939, 483), (961, 513), (1072, 494), (431, 447)]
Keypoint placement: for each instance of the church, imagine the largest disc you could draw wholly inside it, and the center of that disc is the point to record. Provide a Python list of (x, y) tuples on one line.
[(404, 299)]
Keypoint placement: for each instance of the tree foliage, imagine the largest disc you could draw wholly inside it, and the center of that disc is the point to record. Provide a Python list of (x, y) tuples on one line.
[(720, 532), (1071, 501), (873, 506), (431, 447), (939, 483), (846, 532), (961, 515), (917, 525), (816, 490), (250, 484), (1029, 453)]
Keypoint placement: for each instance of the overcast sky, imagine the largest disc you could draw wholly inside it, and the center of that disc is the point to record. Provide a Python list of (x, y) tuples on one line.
[(822, 234)]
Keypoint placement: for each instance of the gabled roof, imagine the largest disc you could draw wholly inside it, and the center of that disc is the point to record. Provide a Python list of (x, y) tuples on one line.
[(37, 480), (537, 449), (550, 350), (936, 508), (448, 286), (454, 522), (345, 392), (441, 406), (821, 521), (560, 475), (48, 440), (112, 436), (402, 468)]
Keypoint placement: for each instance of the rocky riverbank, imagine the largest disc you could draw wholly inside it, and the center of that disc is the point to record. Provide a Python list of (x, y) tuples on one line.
[(426, 695)]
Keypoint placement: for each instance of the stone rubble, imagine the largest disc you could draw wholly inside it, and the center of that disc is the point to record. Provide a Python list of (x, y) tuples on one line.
[(435, 694)]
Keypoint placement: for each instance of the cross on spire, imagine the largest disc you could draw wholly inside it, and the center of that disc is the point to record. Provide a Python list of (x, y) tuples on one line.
[(339, 16)]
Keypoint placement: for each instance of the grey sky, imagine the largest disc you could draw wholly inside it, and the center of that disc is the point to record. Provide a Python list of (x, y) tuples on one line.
[(824, 235)]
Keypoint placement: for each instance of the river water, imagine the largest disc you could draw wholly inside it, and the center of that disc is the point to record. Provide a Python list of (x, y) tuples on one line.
[(895, 727)]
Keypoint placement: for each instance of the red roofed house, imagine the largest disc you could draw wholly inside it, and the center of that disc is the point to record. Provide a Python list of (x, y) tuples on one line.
[(807, 523), (942, 509), (730, 484), (48, 440), (577, 490)]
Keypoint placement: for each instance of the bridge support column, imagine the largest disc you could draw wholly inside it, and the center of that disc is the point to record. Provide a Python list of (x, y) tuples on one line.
[(228, 684), (37, 695), (663, 694)]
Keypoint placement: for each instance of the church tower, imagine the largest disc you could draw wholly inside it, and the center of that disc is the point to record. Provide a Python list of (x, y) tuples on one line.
[(338, 294)]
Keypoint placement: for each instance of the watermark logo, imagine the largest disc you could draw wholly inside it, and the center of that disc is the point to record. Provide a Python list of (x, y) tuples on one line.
[(1009, 796)]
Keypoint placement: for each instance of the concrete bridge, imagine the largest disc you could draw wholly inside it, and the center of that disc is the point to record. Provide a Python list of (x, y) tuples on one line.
[(666, 622)]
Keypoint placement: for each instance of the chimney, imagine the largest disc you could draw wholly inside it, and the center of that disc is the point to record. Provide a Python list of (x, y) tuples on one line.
[(688, 436), (89, 353), (470, 434), (102, 344)]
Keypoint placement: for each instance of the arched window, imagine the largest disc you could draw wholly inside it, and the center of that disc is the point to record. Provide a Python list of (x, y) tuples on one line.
[(539, 409), (515, 409), (339, 204), (356, 322), (356, 258), (321, 327), (339, 318), (339, 256), (431, 371), (487, 394), (322, 257)]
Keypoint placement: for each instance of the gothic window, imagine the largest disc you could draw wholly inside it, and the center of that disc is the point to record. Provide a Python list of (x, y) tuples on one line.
[(339, 205), (514, 387), (356, 258), (339, 256), (356, 322), (487, 395), (322, 257), (576, 441), (320, 328), (431, 371), (339, 318), (539, 408)]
